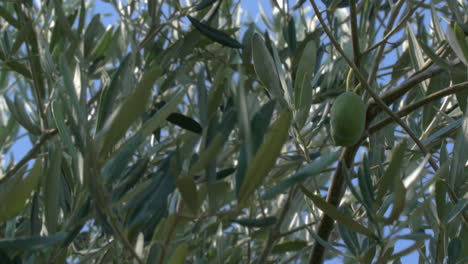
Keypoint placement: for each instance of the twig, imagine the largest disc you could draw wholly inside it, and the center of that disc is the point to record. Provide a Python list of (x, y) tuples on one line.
[(391, 32), (294, 230), (391, 20), (410, 108), (30, 155)]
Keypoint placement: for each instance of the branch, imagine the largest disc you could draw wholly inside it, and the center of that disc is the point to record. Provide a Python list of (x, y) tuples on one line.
[(335, 193), (354, 33), (410, 108)]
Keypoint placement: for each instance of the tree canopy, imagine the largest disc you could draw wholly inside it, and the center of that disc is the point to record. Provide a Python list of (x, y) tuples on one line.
[(197, 132)]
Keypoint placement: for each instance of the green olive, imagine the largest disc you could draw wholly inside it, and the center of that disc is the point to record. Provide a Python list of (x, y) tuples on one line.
[(348, 119)]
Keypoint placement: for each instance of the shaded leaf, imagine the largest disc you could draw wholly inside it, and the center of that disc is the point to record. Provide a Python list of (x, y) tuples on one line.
[(128, 112), (188, 190), (393, 170), (289, 246), (334, 213), (266, 156), (51, 190), (17, 190), (311, 170), (32, 243), (215, 35), (265, 66), (179, 255), (204, 3), (454, 249), (185, 122), (224, 173), (459, 208), (305, 70)]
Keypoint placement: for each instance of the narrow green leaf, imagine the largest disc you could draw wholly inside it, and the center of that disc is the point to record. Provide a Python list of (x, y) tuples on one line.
[(304, 74), (51, 189), (258, 222), (457, 174), (188, 190), (215, 35), (102, 47), (19, 114), (204, 3), (265, 158), (64, 132), (160, 117), (24, 116), (21, 37), (439, 32), (109, 95), (415, 52), (393, 170), (441, 191), (289, 246), (459, 208), (114, 168), (454, 250), (460, 35), (128, 112), (452, 39), (327, 245), (32, 243), (130, 179), (258, 128), (17, 191), (365, 184), (70, 92), (202, 99), (216, 91), (207, 155), (265, 66), (185, 122), (334, 213), (180, 254), (399, 199), (291, 36), (349, 237), (7, 15), (437, 59), (224, 173), (311, 170)]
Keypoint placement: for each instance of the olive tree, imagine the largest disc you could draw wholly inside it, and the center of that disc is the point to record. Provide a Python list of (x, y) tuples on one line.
[(195, 132)]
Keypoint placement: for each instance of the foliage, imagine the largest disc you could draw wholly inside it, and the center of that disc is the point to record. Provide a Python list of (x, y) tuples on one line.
[(191, 133)]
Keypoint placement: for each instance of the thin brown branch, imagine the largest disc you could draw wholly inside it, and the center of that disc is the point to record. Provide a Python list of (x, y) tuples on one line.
[(294, 230), (355, 33), (335, 193), (410, 108), (30, 155)]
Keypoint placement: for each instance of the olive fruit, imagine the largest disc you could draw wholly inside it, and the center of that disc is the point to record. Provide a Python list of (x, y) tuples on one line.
[(348, 119)]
